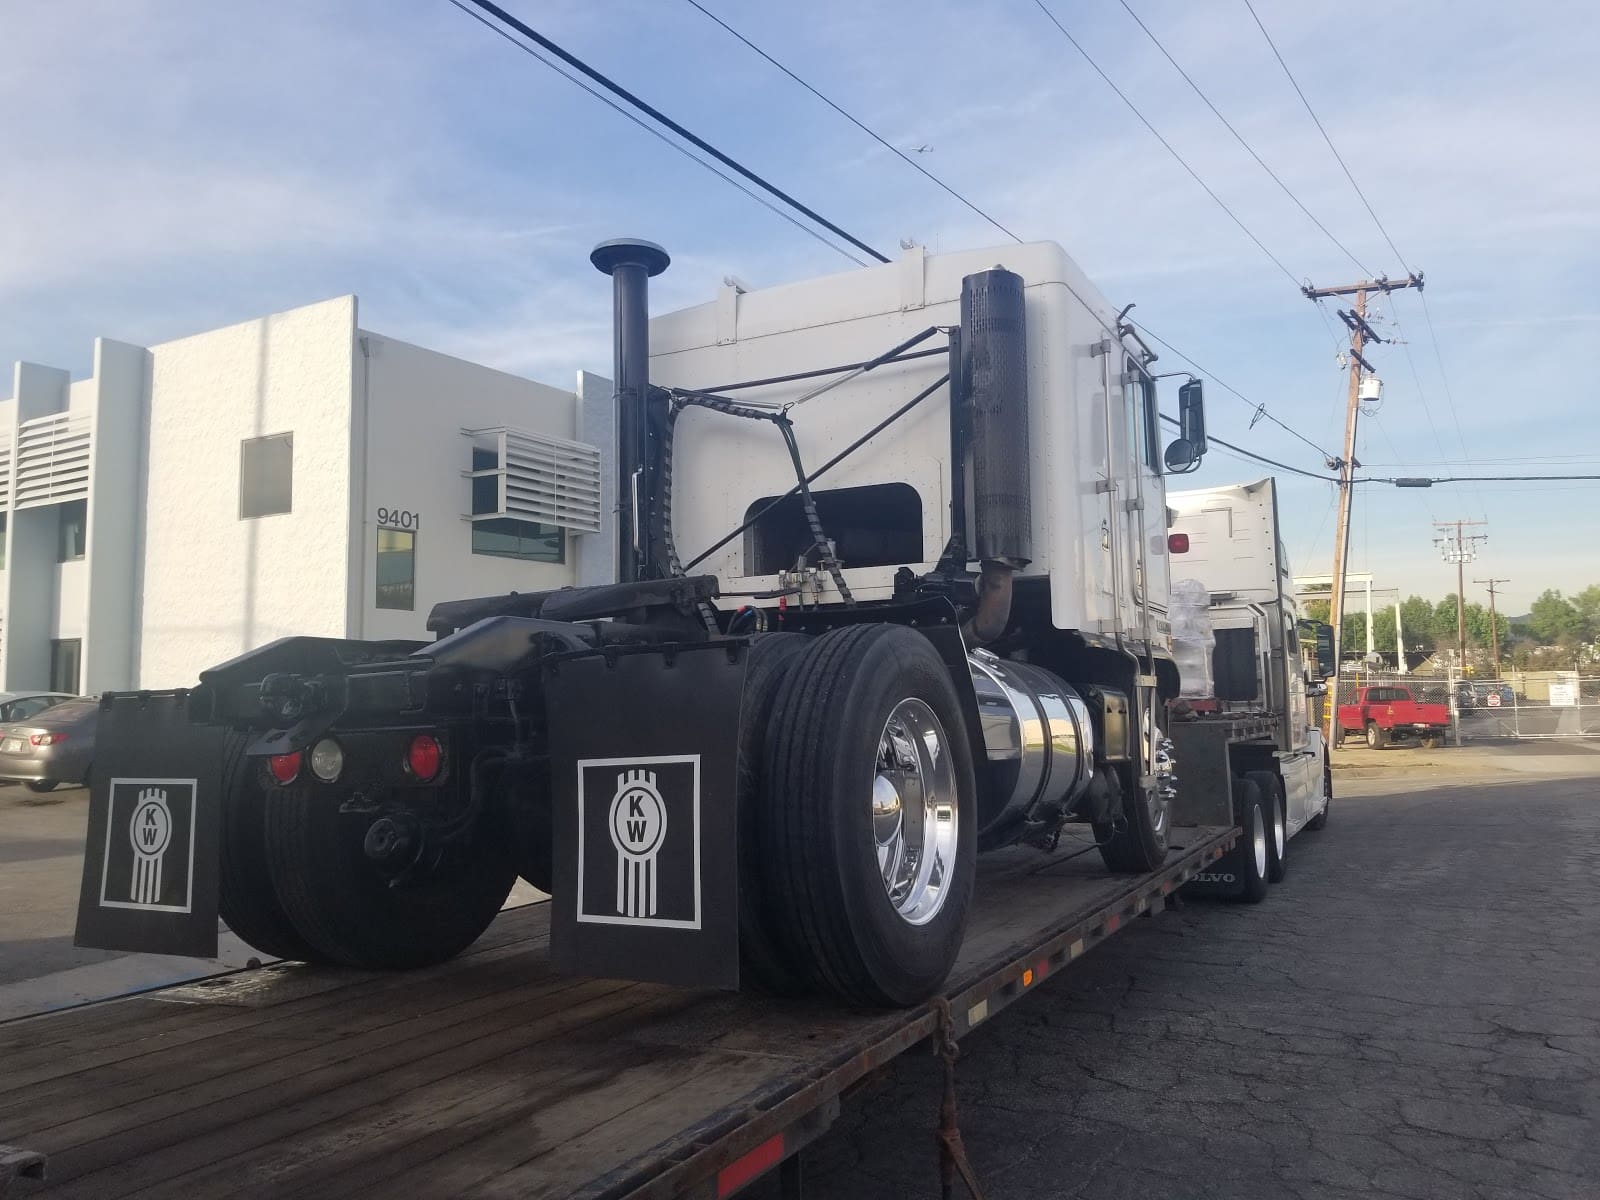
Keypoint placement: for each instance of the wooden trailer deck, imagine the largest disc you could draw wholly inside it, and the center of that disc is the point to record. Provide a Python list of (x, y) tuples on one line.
[(493, 1076)]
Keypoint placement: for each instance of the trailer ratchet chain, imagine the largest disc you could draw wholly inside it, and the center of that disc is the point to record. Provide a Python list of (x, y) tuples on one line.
[(952, 1151)]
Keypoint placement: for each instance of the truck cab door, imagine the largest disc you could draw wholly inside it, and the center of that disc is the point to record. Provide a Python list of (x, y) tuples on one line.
[(1139, 469)]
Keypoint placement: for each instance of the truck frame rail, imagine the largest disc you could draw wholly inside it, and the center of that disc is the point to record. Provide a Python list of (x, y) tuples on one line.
[(493, 1075)]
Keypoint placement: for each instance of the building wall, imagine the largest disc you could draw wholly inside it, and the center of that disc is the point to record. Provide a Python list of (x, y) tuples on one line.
[(416, 404), (214, 584)]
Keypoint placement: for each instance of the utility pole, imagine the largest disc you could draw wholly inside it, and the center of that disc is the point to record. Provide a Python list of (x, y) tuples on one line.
[(1360, 334), (1494, 624), (1460, 550)]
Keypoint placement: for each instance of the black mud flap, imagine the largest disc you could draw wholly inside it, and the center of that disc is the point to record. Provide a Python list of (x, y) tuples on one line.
[(150, 864), (644, 761)]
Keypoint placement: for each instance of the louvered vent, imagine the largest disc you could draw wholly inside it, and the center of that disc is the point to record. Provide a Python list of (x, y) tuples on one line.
[(5, 473), (540, 478), (52, 461)]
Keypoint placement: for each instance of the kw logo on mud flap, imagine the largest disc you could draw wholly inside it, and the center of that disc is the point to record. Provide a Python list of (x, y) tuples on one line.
[(639, 841), (149, 853)]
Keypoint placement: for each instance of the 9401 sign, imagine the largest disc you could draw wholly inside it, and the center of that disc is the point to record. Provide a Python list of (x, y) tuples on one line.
[(399, 518)]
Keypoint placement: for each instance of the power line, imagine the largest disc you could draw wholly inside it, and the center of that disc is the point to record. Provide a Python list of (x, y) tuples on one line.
[(1239, 137), (1444, 377), (657, 115), (1260, 458), (866, 129), (1325, 136), (656, 133), (1260, 410), (1429, 481), (1182, 162)]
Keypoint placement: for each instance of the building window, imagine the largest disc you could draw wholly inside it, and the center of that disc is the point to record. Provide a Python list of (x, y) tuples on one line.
[(72, 530), (397, 569), (508, 537), (266, 475), (65, 657)]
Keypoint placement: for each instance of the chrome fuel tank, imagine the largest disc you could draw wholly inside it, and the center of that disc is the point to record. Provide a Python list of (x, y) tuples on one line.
[(1037, 738)]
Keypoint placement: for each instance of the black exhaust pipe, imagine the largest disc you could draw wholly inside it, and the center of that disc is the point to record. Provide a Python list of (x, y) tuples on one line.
[(631, 262), (994, 393)]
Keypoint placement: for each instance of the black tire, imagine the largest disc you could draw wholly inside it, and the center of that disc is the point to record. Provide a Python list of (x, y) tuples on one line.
[(1274, 807), (1133, 845), (246, 899), (41, 786), (763, 961), (1249, 858), (342, 904), (1431, 741), (1320, 821), (1377, 736), (831, 910)]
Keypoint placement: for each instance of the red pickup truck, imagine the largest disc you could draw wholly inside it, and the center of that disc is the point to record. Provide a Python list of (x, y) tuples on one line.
[(1391, 714)]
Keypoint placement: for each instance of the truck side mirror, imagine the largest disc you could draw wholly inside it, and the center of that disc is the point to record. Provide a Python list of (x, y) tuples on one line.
[(1180, 456), (1192, 417), (1327, 660)]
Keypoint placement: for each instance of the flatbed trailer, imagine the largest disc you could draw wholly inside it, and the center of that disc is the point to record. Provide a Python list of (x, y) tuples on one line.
[(492, 1075)]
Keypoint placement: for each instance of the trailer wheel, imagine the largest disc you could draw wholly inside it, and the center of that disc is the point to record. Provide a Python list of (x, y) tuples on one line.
[(868, 829), (343, 904), (1251, 852), (1377, 736), (762, 957), (1320, 821), (246, 900), (1273, 806)]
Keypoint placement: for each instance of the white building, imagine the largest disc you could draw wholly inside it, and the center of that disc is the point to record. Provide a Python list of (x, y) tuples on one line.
[(294, 474)]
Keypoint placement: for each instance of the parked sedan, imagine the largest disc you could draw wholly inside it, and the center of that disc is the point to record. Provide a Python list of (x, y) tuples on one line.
[(52, 747), (19, 706)]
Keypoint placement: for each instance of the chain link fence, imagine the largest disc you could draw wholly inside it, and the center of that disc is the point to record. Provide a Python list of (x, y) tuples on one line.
[(1546, 704)]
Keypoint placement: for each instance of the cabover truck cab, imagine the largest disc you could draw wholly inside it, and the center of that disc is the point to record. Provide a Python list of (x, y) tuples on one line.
[(1392, 713), (890, 590), (1231, 542)]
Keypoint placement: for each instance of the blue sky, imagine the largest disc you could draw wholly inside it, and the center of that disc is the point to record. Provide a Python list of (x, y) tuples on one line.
[(174, 165)]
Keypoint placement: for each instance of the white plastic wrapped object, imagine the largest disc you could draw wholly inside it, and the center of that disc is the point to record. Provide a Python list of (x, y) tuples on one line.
[(1192, 639)]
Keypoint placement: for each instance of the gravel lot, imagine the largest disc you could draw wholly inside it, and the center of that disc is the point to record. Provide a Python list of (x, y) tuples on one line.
[(1414, 1012)]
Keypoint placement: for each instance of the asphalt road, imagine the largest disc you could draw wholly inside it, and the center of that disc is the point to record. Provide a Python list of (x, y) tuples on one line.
[(1414, 1012)]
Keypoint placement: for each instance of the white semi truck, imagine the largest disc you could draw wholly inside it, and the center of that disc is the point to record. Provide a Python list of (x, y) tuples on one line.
[(892, 565), (1233, 545)]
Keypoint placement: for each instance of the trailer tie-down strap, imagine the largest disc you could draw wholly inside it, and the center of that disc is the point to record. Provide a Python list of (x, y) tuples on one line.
[(952, 1151)]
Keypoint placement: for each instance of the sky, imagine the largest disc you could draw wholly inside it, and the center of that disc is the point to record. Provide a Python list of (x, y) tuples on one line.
[(171, 166)]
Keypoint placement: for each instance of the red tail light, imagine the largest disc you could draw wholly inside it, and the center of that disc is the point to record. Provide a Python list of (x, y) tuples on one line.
[(424, 756), (47, 739), (1178, 543), (284, 767)]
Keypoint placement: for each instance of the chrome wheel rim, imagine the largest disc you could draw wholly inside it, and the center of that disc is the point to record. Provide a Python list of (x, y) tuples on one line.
[(1258, 839), (1280, 831), (914, 818)]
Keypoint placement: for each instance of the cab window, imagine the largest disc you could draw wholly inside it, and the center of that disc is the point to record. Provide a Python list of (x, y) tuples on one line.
[(1139, 399)]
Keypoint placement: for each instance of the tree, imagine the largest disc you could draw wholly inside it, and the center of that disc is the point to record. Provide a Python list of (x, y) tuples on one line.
[(1555, 620), (1587, 605), (1318, 610), (1416, 618)]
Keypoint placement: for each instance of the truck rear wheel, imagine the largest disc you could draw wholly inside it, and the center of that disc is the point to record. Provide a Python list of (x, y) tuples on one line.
[(246, 900), (1250, 855), (868, 822), (1273, 808), (1377, 736), (343, 905)]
